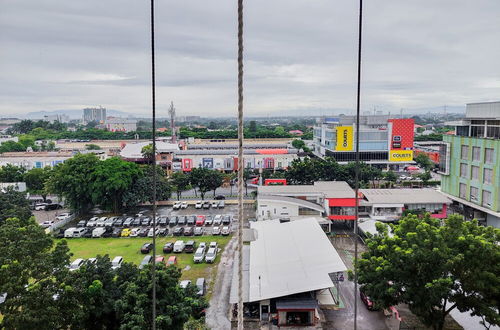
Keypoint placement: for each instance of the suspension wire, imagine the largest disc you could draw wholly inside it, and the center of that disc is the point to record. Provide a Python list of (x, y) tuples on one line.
[(357, 168), (153, 163), (240, 165)]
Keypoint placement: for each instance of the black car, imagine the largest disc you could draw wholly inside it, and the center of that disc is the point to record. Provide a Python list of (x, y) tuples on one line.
[(81, 223), (190, 247), (178, 231), (108, 232), (49, 207), (116, 232), (219, 197), (163, 221), (189, 231), (59, 234), (136, 222), (146, 248), (226, 219), (162, 231), (145, 221), (168, 248), (191, 220), (143, 232), (173, 221), (181, 220), (88, 234), (118, 222)]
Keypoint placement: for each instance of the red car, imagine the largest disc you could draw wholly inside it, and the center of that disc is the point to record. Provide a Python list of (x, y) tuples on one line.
[(200, 220), (367, 301), (172, 260), (159, 259)]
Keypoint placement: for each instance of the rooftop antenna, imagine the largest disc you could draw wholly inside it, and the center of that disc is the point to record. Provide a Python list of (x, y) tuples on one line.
[(171, 112)]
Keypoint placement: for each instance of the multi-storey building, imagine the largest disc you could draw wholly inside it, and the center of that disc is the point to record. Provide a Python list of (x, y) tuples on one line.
[(470, 163), (121, 125), (94, 114), (383, 141)]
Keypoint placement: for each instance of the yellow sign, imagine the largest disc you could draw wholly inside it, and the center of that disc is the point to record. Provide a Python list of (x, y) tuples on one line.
[(401, 155), (344, 138)]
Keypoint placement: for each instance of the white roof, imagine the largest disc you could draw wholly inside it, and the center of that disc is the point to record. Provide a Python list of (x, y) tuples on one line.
[(404, 196), (289, 258), (330, 189), (368, 226), (134, 150)]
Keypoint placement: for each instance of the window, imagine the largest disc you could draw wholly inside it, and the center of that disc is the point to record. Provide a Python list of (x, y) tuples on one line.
[(476, 154), (463, 170), (473, 193), (464, 153), (488, 155), (474, 173), (488, 175), (486, 198), (462, 191), (337, 210)]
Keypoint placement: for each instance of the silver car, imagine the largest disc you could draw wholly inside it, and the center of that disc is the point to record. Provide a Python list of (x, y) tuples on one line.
[(216, 230), (199, 255), (211, 255)]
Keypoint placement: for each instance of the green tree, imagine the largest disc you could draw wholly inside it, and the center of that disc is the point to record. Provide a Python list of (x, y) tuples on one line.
[(147, 153), (73, 180), (298, 144), (424, 161), (425, 177), (13, 204), (434, 268), (391, 177), (142, 189), (11, 173), (179, 182), (111, 179), (36, 180), (11, 146), (252, 127), (92, 147), (206, 180)]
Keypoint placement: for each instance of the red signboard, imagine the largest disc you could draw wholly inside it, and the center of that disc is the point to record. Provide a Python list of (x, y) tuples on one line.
[(187, 164), (402, 134)]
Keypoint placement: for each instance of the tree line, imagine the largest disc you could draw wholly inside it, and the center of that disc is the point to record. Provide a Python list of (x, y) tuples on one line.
[(40, 292)]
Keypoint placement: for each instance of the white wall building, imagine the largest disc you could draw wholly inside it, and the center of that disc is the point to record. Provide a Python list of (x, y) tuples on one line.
[(121, 125), (5, 138)]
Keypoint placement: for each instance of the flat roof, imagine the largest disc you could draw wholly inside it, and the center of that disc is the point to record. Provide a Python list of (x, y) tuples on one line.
[(405, 196), (134, 150), (289, 258), (331, 189), (291, 200)]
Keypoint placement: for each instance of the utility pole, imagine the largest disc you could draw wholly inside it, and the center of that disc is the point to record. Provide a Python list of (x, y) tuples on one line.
[(171, 112)]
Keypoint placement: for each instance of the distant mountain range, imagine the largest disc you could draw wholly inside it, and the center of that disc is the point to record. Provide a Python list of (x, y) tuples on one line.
[(73, 114)]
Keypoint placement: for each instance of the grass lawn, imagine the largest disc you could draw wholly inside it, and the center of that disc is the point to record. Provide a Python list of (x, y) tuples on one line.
[(129, 249)]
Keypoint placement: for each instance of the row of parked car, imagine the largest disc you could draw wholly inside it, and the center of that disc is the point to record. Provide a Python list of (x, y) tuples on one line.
[(162, 221), (217, 204), (77, 263), (202, 252)]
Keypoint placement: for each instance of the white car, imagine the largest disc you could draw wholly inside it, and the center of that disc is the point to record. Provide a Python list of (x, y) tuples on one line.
[(211, 255), (117, 262), (150, 232), (216, 230), (100, 222), (109, 222), (215, 204), (76, 264), (199, 255), (47, 224), (184, 284), (135, 232), (184, 205), (225, 231), (217, 220), (177, 205), (92, 222), (68, 233), (40, 206), (213, 245), (198, 205), (63, 216)]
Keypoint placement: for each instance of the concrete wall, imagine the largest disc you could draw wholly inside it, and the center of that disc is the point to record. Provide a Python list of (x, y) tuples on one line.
[(276, 210)]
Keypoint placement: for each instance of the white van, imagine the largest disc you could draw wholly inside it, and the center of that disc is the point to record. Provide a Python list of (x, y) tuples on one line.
[(98, 232), (68, 233), (79, 232), (117, 262), (179, 246)]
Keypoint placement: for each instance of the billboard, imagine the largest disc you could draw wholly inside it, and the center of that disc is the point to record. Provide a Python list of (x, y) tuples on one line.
[(401, 155), (345, 138), (208, 162), (176, 166)]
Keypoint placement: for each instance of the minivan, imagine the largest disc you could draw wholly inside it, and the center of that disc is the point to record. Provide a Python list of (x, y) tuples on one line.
[(98, 232), (117, 262), (179, 246), (68, 233), (79, 232), (190, 247)]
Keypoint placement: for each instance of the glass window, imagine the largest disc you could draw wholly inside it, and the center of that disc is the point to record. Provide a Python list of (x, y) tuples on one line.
[(486, 198), (488, 175), (477, 131), (474, 173), (463, 170), (488, 155), (473, 193), (464, 154), (476, 153), (463, 191)]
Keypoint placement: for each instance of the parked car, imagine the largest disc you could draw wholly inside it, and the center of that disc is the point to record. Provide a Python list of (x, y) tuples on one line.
[(199, 255), (177, 205), (135, 232), (209, 220), (146, 261), (198, 205), (173, 221), (159, 260), (219, 197), (198, 231), (98, 232), (226, 220), (118, 222), (225, 231), (216, 230), (92, 222), (117, 262), (211, 255), (108, 232), (178, 231), (206, 204), (184, 284), (110, 221), (87, 234), (100, 222), (145, 221), (91, 261), (128, 222), (81, 223), (76, 264), (68, 233), (213, 245), (151, 231), (40, 206), (50, 207), (125, 232), (143, 232), (64, 216), (179, 246), (48, 223), (136, 222), (163, 221), (168, 247), (202, 245), (190, 247), (79, 232), (200, 220), (116, 232), (146, 248), (181, 220), (59, 233), (184, 205), (191, 220), (189, 231), (217, 220), (162, 231), (201, 286), (172, 261), (366, 300), (222, 204)]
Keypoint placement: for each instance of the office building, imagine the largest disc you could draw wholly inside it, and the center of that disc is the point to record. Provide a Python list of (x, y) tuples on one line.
[(97, 115), (121, 125)]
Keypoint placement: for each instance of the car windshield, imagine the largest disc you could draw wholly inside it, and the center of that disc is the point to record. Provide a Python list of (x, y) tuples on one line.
[(198, 254)]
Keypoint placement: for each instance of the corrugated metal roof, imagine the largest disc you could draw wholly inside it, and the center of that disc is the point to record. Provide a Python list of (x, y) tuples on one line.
[(331, 189), (404, 196)]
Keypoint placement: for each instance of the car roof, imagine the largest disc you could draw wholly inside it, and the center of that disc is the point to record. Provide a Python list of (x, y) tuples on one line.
[(200, 280), (172, 258)]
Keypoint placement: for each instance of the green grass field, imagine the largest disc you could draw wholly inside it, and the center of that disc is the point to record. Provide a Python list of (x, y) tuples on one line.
[(129, 249)]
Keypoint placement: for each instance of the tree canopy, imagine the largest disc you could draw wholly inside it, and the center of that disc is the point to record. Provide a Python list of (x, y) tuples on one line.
[(206, 179), (12, 173)]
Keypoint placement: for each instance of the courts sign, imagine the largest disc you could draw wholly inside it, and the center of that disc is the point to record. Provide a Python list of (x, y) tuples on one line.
[(401, 155), (344, 138)]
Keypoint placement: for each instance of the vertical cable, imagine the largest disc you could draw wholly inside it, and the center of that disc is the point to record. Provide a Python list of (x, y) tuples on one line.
[(153, 103), (240, 165), (356, 189)]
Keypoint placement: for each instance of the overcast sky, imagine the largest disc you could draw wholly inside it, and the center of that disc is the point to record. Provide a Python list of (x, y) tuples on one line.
[(299, 55)]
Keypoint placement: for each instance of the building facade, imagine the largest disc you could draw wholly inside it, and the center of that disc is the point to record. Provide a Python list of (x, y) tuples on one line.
[(471, 163), (94, 114), (121, 125)]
